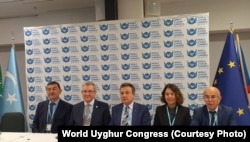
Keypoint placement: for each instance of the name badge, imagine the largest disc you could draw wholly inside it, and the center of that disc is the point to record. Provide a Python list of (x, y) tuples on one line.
[(48, 127)]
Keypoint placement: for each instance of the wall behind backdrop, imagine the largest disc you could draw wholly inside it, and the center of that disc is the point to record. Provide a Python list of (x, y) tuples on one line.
[(221, 14)]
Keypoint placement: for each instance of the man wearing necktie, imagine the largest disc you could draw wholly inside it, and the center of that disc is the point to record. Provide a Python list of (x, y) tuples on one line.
[(90, 112), (129, 113), (213, 113), (53, 112)]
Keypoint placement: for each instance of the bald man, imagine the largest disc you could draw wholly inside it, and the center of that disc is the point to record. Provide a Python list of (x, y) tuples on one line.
[(213, 113)]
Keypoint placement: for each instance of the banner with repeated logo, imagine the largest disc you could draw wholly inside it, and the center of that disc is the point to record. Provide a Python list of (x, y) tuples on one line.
[(149, 53)]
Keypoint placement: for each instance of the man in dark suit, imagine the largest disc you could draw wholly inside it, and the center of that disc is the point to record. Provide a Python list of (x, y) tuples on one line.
[(213, 113), (52, 112), (129, 113), (90, 112)]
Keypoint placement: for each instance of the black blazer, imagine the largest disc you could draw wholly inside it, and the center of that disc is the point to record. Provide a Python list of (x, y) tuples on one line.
[(182, 117), (99, 117), (61, 116)]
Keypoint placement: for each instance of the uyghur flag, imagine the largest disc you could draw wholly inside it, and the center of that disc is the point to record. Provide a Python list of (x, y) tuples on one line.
[(12, 100)]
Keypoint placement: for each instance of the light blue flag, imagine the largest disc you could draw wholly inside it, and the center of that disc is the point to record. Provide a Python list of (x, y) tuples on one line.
[(11, 100)]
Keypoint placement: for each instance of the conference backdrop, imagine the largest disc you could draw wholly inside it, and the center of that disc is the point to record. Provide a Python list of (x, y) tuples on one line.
[(148, 53)]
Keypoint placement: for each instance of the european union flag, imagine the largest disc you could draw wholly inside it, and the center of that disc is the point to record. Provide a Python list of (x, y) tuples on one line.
[(11, 100), (229, 80)]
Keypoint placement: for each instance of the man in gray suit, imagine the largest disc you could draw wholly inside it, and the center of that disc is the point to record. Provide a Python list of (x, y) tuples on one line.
[(213, 113), (90, 112)]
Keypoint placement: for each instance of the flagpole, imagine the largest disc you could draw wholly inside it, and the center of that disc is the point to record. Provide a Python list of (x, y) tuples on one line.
[(12, 40), (242, 68)]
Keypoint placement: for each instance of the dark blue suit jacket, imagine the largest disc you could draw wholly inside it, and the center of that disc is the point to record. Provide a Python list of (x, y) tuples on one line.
[(224, 114), (61, 116), (140, 115), (100, 115), (182, 117)]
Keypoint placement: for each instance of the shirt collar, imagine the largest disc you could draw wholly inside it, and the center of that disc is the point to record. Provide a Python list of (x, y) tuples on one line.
[(56, 102), (216, 110), (91, 103), (130, 105)]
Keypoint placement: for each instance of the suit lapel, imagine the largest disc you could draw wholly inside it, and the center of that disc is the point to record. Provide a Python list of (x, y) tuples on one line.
[(46, 112), (134, 118), (219, 116), (206, 116), (164, 115), (95, 111), (79, 112), (57, 111), (119, 114)]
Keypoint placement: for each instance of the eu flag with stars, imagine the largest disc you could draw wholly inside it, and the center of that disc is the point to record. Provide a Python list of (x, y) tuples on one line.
[(11, 100), (229, 80)]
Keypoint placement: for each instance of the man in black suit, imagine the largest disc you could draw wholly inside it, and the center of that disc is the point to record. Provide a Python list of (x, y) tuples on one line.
[(90, 112), (213, 113), (53, 112)]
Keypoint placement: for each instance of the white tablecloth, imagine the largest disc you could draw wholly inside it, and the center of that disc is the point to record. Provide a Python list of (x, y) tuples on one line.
[(27, 137)]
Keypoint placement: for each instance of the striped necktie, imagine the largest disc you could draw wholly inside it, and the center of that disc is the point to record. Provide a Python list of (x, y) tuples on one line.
[(125, 117), (87, 118)]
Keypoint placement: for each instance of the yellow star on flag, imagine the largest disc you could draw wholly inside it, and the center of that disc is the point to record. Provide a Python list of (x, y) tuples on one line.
[(220, 70), (215, 82), (240, 111), (231, 64)]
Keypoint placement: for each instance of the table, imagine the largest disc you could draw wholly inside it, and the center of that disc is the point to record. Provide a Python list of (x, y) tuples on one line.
[(27, 137)]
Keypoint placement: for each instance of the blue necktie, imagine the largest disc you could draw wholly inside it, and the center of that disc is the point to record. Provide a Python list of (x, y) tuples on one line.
[(50, 115), (212, 117)]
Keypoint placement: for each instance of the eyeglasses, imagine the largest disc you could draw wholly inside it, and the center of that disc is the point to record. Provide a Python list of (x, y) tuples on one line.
[(213, 97), (87, 91)]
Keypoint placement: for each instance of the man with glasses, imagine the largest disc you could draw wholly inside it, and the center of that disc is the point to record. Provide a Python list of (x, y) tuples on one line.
[(90, 112), (213, 113)]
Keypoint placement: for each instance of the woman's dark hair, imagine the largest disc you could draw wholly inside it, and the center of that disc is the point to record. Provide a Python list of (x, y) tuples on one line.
[(177, 93)]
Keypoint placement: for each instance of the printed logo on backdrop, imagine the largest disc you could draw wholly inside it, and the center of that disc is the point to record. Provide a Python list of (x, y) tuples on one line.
[(168, 44), (124, 26), (192, 96), (27, 33), (67, 97), (31, 98), (193, 106), (32, 107), (106, 97), (168, 22), (191, 53)]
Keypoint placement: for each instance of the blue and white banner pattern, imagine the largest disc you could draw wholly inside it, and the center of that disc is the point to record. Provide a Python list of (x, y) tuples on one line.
[(148, 53)]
